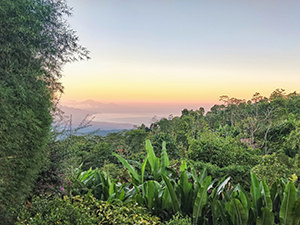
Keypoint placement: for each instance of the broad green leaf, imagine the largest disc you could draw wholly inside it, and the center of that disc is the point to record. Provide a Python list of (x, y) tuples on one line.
[(194, 174), (131, 170), (166, 200), (164, 158), (198, 180), (153, 194), (243, 200), (143, 168), (287, 205), (265, 192), (183, 166), (111, 188), (266, 218), (219, 212), (201, 199), (255, 194), (186, 192), (141, 199), (143, 172), (150, 193), (151, 154), (237, 212), (296, 213), (202, 176), (276, 193), (153, 160), (171, 189), (121, 195), (185, 184), (97, 178)]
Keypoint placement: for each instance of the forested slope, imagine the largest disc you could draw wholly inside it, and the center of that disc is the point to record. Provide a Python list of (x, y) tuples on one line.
[(236, 164)]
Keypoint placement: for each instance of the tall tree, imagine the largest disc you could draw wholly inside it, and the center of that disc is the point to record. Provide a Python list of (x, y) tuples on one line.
[(35, 42)]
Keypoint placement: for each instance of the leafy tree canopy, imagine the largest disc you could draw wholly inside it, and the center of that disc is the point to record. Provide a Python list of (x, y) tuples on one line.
[(35, 42)]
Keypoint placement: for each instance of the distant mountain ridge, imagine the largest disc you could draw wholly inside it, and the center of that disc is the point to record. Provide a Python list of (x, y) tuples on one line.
[(120, 116), (77, 116)]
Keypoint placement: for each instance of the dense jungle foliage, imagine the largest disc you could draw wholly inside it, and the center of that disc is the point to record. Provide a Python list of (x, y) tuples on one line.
[(235, 164)]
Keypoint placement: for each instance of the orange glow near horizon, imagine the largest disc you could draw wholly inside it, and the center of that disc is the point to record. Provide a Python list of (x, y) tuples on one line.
[(177, 85)]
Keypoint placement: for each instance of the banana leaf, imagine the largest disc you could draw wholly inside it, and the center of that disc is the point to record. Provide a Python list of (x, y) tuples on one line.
[(266, 218), (132, 171), (201, 200), (186, 190), (164, 159), (219, 214), (183, 166), (143, 172), (287, 205), (153, 160), (265, 193), (296, 213), (256, 195), (153, 195), (238, 213), (171, 189)]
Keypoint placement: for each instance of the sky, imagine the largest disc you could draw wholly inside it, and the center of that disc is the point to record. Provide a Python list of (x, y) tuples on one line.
[(183, 52)]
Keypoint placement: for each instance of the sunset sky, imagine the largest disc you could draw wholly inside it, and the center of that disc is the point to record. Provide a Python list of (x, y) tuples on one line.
[(169, 51)]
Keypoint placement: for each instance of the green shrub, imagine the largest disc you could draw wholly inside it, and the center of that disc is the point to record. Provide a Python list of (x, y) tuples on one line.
[(276, 166), (111, 170), (292, 144), (94, 153), (124, 213), (221, 151), (223, 156), (49, 210), (178, 220), (239, 174), (172, 148), (85, 210)]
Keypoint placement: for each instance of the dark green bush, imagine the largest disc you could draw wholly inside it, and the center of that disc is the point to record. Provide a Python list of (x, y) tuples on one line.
[(223, 156), (172, 148), (239, 174), (277, 166), (35, 42), (221, 151), (25, 124)]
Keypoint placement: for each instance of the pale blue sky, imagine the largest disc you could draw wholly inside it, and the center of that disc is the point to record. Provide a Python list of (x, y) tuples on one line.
[(202, 48)]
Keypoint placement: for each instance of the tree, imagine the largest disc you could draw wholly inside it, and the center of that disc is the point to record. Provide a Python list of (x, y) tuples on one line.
[(35, 42)]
